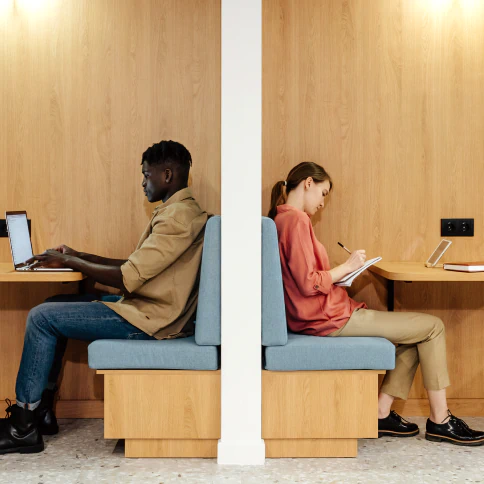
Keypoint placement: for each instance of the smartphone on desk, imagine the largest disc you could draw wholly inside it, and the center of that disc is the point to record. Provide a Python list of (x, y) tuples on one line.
[(438, 253)]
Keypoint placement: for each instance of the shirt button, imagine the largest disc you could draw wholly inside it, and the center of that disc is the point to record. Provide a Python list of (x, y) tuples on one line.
[(316, 287)]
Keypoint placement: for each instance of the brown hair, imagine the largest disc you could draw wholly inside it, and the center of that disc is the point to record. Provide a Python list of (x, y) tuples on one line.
[(304, 170)]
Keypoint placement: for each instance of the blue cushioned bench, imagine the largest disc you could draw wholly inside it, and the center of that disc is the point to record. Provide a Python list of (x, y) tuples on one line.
[(163, 397), (319, 395)]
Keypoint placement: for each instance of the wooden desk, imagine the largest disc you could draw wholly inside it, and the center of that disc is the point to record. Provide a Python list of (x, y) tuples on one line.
[(416, 271), (8, 274)]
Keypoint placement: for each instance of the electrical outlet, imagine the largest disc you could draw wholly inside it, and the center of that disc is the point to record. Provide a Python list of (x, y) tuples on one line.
[(457, 227), (3, 228)]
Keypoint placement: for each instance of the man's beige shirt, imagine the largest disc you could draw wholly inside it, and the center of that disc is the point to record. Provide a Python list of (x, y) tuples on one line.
[(162, 274)]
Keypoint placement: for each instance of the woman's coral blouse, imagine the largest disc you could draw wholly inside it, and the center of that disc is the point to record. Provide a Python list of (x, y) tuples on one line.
[(314, 305)]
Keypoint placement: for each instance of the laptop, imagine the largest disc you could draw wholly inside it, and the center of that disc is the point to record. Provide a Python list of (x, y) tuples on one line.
[(20, 245)]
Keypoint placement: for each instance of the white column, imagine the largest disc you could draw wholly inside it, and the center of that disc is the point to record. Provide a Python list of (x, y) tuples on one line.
[(241, 441)]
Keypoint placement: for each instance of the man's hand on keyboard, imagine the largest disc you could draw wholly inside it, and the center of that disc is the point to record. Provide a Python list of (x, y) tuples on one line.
[(50, 258)]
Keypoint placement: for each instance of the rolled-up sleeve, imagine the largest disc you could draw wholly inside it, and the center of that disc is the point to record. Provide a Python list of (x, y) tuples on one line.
[(301, 262), (168, 240)]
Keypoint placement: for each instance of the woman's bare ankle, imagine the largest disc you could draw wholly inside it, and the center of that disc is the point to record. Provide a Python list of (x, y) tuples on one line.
[(383, 414), (439, 412), (384, 405), (439, 417)]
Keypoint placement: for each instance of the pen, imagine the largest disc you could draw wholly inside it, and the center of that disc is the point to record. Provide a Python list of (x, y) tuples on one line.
[(340, 244)]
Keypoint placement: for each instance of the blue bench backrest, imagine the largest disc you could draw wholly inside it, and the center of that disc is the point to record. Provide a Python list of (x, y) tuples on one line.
[(274, 325), (207, 326), (208, 321)]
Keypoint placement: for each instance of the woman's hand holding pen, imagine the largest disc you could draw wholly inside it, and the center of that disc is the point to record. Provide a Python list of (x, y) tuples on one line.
[(356, 260)]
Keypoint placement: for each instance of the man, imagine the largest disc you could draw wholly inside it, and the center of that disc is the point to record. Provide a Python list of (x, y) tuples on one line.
[(166, 261)]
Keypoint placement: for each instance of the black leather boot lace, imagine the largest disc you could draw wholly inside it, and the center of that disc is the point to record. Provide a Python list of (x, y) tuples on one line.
[(8, 410)]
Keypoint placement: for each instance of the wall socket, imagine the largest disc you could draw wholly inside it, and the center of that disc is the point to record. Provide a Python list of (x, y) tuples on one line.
[(457, 227), (3, 228)]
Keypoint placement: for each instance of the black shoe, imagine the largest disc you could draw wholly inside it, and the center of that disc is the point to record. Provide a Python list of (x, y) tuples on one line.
[(19, 432), (455, 431), (396, 426), (46, 420)]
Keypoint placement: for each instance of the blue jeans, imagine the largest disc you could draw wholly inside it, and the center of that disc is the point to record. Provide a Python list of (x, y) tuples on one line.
[(50, 325)]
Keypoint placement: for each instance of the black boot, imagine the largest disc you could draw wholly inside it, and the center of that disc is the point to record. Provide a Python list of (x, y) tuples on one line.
[(455, 431), (396, 426), (19, 432), (46, 420)]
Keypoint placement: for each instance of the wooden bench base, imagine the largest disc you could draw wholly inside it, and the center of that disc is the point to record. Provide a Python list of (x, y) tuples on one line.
[(311, 448), (318, 413), (163, 413), (170, 448)]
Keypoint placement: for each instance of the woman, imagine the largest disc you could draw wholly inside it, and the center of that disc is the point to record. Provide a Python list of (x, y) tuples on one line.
[(315, 306)]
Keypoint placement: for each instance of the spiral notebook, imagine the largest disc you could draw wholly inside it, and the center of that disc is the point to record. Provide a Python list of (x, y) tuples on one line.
[(348, 280)]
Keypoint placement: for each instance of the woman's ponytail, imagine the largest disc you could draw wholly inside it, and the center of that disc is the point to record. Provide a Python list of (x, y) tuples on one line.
[(278, 197)]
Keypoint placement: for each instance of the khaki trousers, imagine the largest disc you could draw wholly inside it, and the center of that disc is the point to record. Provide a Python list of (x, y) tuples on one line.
[(420, 339)]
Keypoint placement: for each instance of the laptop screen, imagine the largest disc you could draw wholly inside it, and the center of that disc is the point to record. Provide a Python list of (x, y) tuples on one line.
[(18, 232)]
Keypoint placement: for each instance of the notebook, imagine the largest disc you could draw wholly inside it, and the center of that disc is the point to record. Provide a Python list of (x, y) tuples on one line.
[(348, 280), (464, 266)]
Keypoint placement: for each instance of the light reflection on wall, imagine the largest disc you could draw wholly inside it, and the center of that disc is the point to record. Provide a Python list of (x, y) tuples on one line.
[(441, 6), (31, 6), (27, 7), (6, 7)]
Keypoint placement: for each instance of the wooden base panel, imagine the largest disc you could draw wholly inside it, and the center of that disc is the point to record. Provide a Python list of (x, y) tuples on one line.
[(311, 448), (419, 407), (161, 404), (170, 448), (319, 404), (80, 409)]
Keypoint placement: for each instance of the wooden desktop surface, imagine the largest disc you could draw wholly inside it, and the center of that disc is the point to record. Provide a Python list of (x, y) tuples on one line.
[(8, 274), (416, 271)]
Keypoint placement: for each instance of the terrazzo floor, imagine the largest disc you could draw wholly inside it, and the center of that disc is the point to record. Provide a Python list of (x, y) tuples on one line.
[(79, 454)]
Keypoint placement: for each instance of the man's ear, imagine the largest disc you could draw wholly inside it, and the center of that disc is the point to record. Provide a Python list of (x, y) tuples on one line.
[(168, 175)]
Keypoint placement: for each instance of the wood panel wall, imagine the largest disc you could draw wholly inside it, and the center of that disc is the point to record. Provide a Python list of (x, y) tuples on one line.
[(85, 87), (388, 96)]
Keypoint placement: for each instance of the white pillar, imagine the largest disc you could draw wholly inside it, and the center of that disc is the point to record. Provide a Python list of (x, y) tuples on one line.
[(241, 441)]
